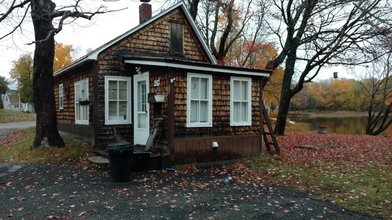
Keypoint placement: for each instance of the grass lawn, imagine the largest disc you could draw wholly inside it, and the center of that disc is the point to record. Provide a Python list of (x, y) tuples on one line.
[(7, 116), (15, 149)]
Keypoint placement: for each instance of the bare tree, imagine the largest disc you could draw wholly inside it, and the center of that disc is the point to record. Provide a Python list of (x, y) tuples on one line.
[(223, 22), (314, 34), (48, 20), (377, 82)]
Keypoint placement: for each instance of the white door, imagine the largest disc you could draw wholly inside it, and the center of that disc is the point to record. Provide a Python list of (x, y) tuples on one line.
[(141, 109)]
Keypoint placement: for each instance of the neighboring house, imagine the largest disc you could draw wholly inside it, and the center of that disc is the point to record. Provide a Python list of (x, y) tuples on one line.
[(9, 101), (27, 107), (209, 112)]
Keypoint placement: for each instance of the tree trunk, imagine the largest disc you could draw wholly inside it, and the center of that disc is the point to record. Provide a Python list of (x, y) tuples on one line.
[(284, 105), (47, 134), (193, 8), (286, 94)]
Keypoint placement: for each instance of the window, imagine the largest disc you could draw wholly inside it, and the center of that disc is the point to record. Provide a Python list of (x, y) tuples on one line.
[(240, 101), (61, 97), (199, 100), (176, 39), (81, 96), (117, 100)]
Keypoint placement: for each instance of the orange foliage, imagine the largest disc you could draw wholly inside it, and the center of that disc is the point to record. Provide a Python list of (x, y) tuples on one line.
[(62, 57)]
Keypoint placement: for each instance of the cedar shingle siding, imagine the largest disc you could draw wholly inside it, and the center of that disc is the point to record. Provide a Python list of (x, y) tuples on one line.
[(170, 37)]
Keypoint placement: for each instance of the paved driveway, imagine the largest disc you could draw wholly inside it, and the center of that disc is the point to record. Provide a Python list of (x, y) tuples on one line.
[(8, 127)]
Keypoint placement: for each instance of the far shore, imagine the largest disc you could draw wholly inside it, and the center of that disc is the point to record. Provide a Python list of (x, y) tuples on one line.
[(326, 114)]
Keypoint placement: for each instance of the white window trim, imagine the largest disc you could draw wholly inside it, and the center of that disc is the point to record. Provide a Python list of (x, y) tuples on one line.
[(116, 122), (249, 98), (83, 122), (61, 96), (189, 86)]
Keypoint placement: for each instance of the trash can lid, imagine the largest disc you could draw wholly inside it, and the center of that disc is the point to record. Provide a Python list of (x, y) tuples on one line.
[(120, 146)]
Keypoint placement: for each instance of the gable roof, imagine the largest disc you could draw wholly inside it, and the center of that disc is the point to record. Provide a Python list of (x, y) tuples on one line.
[(93, 55)]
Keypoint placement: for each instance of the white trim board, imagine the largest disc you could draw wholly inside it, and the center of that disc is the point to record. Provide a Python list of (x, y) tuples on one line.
[(195, 67)]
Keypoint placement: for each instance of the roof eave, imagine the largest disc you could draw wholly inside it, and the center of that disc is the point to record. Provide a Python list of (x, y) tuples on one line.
[(74, 65), (200, 67)]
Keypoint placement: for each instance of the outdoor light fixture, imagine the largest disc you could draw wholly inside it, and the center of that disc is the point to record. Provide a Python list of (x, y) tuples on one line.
[(138, 69), (215, 144), (335, 75)]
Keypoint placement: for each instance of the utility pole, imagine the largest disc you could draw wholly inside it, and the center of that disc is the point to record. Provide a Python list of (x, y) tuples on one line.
[(19, 89)]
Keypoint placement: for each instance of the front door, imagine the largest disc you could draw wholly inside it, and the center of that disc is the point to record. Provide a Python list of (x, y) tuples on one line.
[(141, 109)]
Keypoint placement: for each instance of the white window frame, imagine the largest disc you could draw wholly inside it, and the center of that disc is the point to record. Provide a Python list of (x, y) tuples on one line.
[(209, 100), (61, 96), (248, 101), (128, 120), (83, 121)]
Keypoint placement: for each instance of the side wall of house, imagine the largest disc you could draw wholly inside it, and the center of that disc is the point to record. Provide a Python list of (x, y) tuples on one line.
[(66, 116), (195, 144), (154, 39)]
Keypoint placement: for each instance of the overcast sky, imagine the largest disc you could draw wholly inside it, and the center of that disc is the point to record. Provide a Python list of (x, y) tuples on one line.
[(86, 35)]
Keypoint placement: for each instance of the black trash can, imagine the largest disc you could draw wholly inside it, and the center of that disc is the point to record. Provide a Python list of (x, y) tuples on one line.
[(120, 158)]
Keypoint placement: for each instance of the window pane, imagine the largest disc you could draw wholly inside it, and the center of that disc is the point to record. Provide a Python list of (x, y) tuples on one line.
[(244, 111), (203, 111), (122, 90), (142, 121), (113, 110), (244, 91), (236, 111), (203, 88), (77, 113), (142, 96), (195, 88), (112, 89), (84, 91), (77, 92), (123, 111), (194, 111), (236, 90), (84, 112)]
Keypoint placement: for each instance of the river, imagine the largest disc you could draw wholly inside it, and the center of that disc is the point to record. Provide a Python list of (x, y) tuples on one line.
[(341, 125)]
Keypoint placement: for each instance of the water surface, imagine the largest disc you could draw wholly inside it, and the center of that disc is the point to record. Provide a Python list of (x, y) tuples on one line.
[(339, 125)]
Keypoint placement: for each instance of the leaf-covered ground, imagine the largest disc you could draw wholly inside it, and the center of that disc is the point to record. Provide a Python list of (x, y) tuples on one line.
[(351, 170), (77, 191)]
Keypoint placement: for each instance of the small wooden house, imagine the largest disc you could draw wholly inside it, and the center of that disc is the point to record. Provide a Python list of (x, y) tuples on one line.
[(162, 75)]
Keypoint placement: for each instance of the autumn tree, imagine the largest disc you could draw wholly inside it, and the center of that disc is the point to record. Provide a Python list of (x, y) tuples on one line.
[(48, 20), (22, 72), (62, 56), (313, 34)]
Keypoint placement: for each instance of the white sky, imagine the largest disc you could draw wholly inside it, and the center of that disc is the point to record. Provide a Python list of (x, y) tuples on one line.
[(92, 34), (85, 34)]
